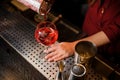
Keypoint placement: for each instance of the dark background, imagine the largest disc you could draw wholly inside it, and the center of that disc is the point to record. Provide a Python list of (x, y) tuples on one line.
[(72, 10)]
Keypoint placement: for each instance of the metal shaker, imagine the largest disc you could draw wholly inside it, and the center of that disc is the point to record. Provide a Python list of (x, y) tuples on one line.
[(84, 52), (77, 72)]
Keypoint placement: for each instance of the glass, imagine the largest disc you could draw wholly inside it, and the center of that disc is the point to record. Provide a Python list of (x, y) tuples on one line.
[(60, 74), (46, 33), (45, 7)]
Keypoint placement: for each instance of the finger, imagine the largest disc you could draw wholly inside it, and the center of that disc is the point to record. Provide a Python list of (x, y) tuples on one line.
[(60, 54), (50, 55), (55, 58), (57, 55), (58, 58), (49, 50)]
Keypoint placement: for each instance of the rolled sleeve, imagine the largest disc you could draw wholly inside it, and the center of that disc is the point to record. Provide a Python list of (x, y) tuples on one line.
[(113, 30)]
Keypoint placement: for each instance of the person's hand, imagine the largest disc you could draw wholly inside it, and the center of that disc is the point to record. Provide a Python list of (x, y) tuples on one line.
[(59, 51)]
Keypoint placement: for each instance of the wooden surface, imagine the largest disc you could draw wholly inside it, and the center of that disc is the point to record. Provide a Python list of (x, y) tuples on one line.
[(14, 67)]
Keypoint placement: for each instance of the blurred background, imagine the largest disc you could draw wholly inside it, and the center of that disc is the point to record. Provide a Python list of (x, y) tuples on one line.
[(72, 11)]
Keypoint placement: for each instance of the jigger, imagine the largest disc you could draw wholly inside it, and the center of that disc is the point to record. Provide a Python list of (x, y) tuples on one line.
[(84, 52)]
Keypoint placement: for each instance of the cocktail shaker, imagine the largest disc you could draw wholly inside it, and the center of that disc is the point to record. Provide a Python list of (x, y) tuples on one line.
[(84, 52)]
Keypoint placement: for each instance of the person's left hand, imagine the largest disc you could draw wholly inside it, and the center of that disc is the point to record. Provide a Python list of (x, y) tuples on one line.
[(59, 51)]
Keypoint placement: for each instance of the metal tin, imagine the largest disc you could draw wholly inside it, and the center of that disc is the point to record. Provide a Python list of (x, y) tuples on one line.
[(84, 51), (77, 72)]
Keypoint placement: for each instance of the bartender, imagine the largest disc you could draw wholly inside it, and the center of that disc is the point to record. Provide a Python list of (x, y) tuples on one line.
[(102, 26)]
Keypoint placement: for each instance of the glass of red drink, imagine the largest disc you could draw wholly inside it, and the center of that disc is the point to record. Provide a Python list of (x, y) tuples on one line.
[(46, 33)]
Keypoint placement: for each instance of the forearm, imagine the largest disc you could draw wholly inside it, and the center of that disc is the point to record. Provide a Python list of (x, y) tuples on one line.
[(98, 39)]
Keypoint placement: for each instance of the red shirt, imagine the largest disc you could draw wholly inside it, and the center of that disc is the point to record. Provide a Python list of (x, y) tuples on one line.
[(105, 17)]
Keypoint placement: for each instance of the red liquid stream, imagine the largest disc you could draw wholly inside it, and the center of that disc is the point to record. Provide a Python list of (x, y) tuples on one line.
[(46, 33)]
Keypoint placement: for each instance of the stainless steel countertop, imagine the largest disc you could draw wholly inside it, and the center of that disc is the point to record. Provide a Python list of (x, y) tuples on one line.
[(18, 32)]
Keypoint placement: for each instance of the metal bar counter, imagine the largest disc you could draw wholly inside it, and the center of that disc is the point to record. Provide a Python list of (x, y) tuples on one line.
[(18, 32)]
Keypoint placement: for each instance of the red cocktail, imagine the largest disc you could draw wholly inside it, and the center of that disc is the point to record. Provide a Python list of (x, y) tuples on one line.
[(46, 33)]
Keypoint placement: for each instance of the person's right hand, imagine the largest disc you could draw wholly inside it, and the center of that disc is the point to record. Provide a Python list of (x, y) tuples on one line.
[(60, 51)]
